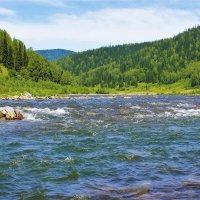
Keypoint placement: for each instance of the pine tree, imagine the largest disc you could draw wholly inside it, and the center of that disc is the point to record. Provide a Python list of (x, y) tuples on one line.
[(10, 61), (5, 49)]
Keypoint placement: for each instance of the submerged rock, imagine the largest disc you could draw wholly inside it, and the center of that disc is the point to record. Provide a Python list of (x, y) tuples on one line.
[(9, 113)]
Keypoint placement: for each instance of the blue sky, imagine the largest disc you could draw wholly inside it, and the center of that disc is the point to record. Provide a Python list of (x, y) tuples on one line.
[(85, 24)]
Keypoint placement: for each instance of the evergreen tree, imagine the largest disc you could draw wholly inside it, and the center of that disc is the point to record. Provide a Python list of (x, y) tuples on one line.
[(5, 49), (10, 62)]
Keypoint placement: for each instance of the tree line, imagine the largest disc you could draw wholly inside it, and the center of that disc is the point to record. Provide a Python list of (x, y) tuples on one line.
[(13, 53), (23, 62), (165, 61)]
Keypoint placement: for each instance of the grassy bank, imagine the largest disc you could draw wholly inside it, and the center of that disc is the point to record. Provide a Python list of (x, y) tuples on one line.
[(181, 87), (15, 87)]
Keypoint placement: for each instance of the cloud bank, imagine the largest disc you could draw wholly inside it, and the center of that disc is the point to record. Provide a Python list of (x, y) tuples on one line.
[(104, 27)]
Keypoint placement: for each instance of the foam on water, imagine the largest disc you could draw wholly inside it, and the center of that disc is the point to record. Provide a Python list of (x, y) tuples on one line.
[(58, 111), (130, 111), (31, 117), (69, 159), (178, 112), (163, 110), (2, 108), (135, 107), (37, 114), (186, 105)]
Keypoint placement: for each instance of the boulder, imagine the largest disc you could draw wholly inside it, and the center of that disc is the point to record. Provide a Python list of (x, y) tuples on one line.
[(18, 116), (9, 113), (2, 116)]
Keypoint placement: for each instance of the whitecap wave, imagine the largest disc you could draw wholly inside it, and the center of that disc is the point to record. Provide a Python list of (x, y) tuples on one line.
[(37, 114), (167, 112), (30, 117), (185, 112), (69, 159), (56, 112), (186, 105), (135, 107)]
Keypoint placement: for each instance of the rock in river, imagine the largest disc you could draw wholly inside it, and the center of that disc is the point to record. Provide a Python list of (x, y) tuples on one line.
[(9, 113)]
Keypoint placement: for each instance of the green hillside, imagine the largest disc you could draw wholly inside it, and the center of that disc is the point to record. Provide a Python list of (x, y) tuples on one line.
[(23, 68), (54, 54), (170, 66), (163, 62)]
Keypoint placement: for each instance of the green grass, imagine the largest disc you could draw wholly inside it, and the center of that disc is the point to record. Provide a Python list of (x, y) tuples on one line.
[(16, 87), (3, 72), (181, 87)]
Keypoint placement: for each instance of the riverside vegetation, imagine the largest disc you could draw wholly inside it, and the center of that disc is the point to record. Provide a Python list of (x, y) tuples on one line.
[(169, 66)]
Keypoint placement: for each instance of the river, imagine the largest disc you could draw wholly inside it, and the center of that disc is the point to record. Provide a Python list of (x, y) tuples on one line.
[(137, 147)]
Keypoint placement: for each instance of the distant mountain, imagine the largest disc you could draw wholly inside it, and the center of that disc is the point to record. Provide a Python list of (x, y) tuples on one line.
[(55, 54)]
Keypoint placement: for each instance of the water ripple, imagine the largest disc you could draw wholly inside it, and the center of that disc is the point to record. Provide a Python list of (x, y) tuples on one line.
[(141, 147)]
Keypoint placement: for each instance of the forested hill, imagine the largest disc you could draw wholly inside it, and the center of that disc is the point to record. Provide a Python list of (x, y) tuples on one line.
[(55, 54), (13, 53), (108, 69), (18, 62), (164, 61)]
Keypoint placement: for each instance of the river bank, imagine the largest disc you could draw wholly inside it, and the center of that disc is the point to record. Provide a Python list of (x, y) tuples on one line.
[(88, 96), (80, 96), (15, 90)]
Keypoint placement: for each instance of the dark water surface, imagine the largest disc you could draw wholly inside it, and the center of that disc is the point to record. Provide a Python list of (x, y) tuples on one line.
[(141, 147)]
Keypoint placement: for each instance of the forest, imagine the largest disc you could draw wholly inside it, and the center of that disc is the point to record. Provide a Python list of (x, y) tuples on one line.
[(164, 66), (163, 62), (23, 63)]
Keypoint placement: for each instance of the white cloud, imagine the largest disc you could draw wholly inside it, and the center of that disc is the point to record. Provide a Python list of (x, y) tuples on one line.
[(6, 12), (58, 3), (104, 27)]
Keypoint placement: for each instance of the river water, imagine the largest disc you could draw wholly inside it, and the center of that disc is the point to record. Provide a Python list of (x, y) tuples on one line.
[(139, 147)]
